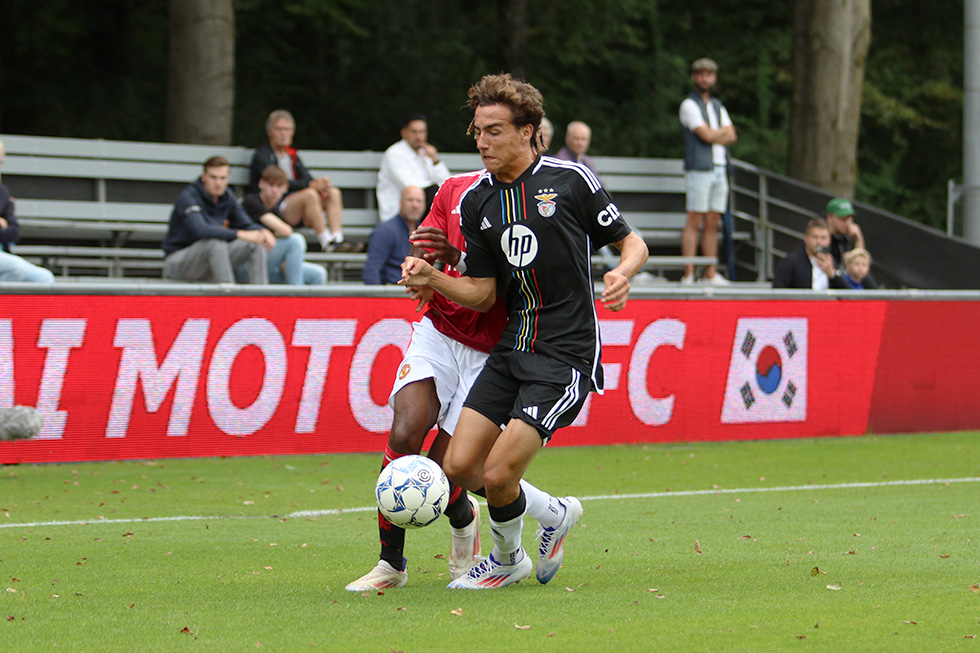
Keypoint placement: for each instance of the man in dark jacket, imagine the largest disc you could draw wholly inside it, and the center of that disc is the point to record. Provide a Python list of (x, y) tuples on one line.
[(307, 198), (811, 266), (210, 234)]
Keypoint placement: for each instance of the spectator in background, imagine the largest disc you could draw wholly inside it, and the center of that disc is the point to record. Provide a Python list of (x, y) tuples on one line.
[(845, 234), (578, 137), (285, 260), (209, 234), (389, 244), (13, 267), (811, 266), (412, 161), (547, 132), (308, 198), (708, 131), (857, 262)]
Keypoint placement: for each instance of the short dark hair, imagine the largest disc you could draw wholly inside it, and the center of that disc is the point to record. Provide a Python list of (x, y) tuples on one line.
[(274, 175), (413, 117), (524, 101), (215, 162)]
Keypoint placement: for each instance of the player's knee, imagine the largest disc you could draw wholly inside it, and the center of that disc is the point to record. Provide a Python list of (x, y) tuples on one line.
[(498, 478), (405, 440)]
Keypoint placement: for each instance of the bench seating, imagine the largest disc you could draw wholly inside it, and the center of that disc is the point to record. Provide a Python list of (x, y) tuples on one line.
[(86, 195)]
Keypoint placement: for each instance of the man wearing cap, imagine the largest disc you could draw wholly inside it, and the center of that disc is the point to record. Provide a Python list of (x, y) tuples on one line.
[(845, 234), (708, 131)]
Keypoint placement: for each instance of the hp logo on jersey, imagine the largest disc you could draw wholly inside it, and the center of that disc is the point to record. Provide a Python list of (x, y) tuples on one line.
[(519, 245)]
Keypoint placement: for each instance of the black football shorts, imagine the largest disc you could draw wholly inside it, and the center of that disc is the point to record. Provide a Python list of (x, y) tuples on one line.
[(540, 390)]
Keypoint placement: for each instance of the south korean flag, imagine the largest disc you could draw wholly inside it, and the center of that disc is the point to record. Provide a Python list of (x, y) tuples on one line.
[(767, 375)]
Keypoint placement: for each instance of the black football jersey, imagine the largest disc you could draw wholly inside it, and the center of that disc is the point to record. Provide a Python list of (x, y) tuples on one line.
[(536, 236)]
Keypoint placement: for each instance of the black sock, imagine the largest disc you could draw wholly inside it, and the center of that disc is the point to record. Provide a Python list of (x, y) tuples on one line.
[(460, 512)]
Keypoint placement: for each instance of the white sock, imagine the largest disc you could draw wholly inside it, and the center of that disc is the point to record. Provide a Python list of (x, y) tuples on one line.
[(337, 237), (507, 540), (542, 506), (323, 238)]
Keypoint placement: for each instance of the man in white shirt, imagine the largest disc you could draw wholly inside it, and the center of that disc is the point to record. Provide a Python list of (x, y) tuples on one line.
[(412, 161), (708, 131)]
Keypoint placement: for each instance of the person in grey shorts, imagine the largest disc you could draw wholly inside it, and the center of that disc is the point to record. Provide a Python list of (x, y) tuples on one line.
[(708, 131), (209, 234)]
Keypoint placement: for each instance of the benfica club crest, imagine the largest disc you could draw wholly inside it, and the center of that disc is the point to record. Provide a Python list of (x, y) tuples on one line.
[(546, 202)]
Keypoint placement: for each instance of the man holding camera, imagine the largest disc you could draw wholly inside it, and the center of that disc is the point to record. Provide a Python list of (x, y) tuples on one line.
[(811, 266)]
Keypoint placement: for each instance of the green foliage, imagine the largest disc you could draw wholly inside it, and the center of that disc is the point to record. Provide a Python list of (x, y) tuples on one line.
[(351, 70), (222, 553)]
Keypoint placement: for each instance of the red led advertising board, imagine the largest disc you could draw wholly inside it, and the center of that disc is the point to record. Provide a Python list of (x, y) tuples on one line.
[(124, 377)]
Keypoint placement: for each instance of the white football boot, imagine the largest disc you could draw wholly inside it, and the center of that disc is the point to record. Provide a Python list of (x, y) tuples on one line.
[(381, 577), (550, 547), (490, 574)]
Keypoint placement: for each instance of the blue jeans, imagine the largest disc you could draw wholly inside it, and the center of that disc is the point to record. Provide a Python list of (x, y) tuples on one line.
[(286, 264), (14, 268)]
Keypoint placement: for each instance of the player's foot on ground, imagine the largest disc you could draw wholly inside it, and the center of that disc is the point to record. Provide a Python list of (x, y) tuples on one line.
[(490, 574), (381, 577), (550, 547), (466, 543)]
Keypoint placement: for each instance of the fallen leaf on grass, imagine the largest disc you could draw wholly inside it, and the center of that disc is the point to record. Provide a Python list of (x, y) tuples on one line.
[(943, 557), (814, 571), (851, 552), (528, 627), (912, 623), (697, 547), (569, 589), (835, 587), (402, 608), (975, 588), (654, 590), (187, 630), (458, 612), (131, 606), (857, 535)]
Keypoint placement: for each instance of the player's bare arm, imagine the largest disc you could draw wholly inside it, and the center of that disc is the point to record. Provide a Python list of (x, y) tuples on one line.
[(472, 292), (633, 254)]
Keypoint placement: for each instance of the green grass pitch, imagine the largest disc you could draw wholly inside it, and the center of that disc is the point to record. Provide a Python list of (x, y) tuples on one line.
[(755, 546)]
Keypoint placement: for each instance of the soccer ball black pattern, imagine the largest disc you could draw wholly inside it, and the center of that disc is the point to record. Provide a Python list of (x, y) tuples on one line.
[(412, 491)]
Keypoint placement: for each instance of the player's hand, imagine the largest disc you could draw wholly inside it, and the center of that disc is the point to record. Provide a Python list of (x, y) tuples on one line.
[(437, 246), (415, 272), (616, 291), (421, 294)]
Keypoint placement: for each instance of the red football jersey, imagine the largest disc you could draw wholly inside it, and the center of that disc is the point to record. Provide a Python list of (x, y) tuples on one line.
[(480, 331)]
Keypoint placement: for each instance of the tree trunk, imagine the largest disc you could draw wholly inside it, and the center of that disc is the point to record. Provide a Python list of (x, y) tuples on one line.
[(830, 44), (201, 76), (515, 36)]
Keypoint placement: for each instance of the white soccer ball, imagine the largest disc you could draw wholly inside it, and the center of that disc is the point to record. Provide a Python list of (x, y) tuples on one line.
[(412, 491)]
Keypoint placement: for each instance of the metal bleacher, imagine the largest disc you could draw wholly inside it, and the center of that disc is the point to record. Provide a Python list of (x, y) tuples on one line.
[(96, 209)]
